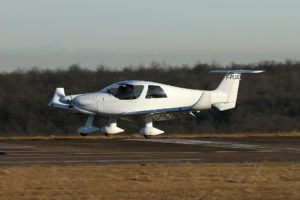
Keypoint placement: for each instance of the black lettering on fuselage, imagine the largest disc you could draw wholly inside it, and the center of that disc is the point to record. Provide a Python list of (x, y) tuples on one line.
[(233, 76)]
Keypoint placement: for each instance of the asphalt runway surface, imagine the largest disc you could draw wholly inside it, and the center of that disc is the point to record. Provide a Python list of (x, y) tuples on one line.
[(108, 151)]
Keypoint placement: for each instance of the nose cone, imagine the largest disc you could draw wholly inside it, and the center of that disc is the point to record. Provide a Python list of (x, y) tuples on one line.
[(65, 99)]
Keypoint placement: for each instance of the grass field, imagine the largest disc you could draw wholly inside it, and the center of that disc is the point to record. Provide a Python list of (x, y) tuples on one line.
[(152, 181)]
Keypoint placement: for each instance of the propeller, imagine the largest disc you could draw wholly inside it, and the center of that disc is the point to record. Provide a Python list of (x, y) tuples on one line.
[(67, 100)]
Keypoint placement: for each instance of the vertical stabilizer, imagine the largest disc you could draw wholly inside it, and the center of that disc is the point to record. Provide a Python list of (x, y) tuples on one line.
[(228, 89)]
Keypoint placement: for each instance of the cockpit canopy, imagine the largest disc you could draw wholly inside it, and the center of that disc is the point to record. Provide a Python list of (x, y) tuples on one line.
[(125, 91)]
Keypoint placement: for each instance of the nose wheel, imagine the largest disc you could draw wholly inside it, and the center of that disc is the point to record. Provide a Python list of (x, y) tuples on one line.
[(88, 127), (83, 134)]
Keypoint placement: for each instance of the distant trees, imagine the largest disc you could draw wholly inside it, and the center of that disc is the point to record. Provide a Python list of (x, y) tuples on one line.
[(268, 102)]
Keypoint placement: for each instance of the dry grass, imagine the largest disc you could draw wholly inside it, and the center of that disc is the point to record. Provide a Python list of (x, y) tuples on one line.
[(118, 136), (152, 181)]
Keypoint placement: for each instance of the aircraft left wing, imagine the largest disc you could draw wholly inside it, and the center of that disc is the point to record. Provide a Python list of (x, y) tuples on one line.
[(157, 111), (161, 114)]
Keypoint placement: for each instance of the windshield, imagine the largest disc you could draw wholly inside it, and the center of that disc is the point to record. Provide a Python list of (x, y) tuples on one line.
[(125, 91)]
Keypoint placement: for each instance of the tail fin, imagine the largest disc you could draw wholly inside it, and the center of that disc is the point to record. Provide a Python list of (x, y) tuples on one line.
[(224, 97)]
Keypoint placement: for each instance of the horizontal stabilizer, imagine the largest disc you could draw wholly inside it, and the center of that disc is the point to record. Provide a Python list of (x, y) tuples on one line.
[(237, 71)]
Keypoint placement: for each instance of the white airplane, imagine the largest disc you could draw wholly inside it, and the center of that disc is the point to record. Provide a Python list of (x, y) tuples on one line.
[(149, 100)]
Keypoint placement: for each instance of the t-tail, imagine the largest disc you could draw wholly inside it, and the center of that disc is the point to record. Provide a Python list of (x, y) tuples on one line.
[(225, 95)]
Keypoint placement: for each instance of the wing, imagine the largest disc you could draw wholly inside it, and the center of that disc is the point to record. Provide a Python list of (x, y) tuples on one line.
[(169, 116), (160, 114), (157, 111)]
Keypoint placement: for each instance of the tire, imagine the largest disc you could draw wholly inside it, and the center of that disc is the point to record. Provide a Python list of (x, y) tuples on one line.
[(107, 135), (148, 136), (83, 134)]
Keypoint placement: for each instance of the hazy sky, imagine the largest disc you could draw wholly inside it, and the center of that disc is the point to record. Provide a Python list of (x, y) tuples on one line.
[(54, 33)]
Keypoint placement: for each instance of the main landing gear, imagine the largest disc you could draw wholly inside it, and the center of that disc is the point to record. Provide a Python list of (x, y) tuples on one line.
[(148, 131), (148, 136), (111, 128)]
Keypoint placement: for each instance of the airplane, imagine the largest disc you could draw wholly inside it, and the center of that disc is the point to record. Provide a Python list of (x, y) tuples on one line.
[(148, 100)]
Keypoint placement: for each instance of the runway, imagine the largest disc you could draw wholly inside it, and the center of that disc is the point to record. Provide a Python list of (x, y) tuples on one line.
[(108, 151)]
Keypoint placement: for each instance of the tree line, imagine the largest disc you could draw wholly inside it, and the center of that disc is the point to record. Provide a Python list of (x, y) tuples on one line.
[(268, 102)]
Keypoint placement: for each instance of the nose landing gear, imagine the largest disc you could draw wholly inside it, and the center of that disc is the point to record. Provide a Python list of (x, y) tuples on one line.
[(88, 127)]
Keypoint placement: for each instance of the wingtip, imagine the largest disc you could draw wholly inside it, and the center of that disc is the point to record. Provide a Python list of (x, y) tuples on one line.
[(259, 71)]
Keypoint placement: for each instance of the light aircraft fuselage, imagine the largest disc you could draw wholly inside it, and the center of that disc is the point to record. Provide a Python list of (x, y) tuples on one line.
[(149, 100)]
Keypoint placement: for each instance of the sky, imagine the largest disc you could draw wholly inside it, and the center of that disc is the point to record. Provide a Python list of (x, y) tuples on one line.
[(118, 33)]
